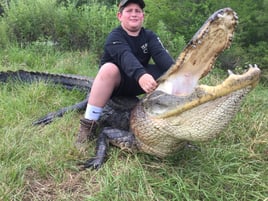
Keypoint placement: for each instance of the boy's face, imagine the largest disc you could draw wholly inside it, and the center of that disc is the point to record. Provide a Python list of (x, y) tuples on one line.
[(131, 18)]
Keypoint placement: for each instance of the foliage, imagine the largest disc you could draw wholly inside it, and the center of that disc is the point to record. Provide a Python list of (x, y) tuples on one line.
[(185, 17), (4, 38), (84, 24), (173, 44), (30, 20), (66, 26)]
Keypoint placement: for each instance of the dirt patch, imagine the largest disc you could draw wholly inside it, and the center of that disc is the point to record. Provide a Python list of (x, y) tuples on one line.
[(74, 186)]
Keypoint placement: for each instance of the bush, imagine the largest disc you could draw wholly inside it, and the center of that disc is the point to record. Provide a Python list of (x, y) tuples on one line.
[(173, 43), (4, 39), (67, 26), (29, 20), (84, 24), (237, 56), (258, 54)]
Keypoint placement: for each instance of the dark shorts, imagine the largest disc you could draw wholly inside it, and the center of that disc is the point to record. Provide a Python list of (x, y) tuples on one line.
[(130, 87)]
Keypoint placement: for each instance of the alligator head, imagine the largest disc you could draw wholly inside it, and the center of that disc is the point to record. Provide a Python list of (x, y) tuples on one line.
[(180, 109)]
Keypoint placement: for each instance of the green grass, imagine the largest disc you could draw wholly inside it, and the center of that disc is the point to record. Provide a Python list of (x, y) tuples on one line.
[(40, 162)]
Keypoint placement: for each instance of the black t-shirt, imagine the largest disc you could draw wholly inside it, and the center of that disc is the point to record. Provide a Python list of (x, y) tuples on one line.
[(132, 54)]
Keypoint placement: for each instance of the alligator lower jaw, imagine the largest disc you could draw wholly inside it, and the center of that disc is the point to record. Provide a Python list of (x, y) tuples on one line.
[(203, 93)]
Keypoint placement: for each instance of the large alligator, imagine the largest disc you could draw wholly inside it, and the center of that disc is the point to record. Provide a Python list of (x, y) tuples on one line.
[(179, 110)]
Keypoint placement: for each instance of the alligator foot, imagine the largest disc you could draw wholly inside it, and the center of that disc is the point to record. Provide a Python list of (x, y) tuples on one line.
[(93, 163), (120, 138)]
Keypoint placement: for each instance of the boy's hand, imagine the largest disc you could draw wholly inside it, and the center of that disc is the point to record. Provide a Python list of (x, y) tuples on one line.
[(147, 83)]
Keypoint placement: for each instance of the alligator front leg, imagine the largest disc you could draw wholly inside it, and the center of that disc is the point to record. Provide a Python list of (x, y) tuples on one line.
[(51, 116), (120, 138)]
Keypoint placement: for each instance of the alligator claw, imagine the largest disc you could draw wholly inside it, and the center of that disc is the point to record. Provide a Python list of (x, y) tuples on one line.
[(46, 119), (94, 163)]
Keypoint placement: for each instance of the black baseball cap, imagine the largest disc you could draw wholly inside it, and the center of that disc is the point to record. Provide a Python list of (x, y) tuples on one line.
[(124, 3)]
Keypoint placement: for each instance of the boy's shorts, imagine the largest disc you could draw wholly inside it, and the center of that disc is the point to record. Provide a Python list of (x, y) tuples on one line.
[(130, 87)]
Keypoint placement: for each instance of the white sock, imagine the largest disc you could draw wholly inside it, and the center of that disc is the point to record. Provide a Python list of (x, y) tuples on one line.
[(93, 112)]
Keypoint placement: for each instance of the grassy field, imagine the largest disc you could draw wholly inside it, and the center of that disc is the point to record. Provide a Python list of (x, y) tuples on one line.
[(40, 162)]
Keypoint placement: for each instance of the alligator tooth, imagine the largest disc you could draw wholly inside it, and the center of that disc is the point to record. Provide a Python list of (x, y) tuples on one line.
[(220, 15), (251, 66), (235, 16), (230, 72)]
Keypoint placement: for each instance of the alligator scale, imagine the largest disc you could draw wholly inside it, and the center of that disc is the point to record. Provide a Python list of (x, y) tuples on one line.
[(179, 110)]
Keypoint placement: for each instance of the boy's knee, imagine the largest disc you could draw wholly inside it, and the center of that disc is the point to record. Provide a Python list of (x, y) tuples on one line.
[(110, 69), (110, 72)]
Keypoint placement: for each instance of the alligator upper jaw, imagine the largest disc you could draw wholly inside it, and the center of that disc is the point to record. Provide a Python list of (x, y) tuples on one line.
[(179, 85), (199, 56), (163, 105)]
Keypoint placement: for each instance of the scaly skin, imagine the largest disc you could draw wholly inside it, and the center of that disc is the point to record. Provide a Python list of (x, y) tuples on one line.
[(200, 116), (68, 81)]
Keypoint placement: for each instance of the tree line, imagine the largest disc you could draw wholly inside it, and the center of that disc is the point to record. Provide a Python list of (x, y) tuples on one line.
[(84, 24)]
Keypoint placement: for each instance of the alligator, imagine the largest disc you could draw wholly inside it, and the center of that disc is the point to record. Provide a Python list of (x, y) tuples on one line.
[(179, 111)]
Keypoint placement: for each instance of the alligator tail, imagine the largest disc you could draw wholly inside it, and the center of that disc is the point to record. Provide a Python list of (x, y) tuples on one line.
[(69, 82)]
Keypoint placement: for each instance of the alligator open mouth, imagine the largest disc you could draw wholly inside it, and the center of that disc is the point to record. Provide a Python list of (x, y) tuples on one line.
[(163, 105)]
